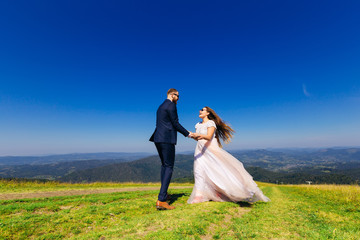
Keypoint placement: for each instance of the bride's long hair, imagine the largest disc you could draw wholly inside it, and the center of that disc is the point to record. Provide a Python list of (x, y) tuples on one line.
[(223, 131)]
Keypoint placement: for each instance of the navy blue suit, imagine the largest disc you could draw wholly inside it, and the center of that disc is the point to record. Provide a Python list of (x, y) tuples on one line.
[(165, 138)]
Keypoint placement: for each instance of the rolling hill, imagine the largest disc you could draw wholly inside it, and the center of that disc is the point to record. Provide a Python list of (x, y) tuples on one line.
[(148, 170), (143, 170), (295, 212), (319, 166)]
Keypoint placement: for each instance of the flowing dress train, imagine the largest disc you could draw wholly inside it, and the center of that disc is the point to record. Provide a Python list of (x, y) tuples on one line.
[(219, 176)]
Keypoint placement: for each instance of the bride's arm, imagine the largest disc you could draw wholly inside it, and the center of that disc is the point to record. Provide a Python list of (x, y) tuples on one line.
[(208, 136)]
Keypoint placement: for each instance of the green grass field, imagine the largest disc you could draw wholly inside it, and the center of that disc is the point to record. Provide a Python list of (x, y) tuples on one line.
[(18, 186), (295, 212)]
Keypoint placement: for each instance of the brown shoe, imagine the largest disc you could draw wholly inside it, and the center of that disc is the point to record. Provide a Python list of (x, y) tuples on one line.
[(163, 206)]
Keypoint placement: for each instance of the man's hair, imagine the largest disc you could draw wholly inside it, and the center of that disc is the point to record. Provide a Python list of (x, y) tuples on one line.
[(171, 90)]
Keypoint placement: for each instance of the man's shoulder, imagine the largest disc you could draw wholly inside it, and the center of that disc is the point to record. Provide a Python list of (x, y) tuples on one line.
[(167, 104)]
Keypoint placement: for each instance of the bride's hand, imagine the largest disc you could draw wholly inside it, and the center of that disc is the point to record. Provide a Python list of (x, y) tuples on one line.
[(195, 136)]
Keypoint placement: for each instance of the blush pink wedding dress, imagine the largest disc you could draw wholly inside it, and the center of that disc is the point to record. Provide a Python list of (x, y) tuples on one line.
[(219, 176)]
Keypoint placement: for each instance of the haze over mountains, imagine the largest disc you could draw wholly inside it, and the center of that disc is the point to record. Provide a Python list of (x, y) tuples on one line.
[(33, 160), (333, 165)]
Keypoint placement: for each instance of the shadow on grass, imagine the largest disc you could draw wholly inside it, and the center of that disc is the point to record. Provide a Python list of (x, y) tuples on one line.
[(174, 197), (245, 204)]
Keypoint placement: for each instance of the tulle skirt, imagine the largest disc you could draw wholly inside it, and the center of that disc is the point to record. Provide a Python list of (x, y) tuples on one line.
[(221, 177)]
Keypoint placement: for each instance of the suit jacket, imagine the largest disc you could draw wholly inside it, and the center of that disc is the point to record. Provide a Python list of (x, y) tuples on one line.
[(167, 124)]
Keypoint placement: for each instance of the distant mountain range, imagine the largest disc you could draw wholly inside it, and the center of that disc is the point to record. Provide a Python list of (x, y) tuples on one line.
[(52, 171), (142, 170), (332, 165), (297, 160), (55, 166), (35, 160)]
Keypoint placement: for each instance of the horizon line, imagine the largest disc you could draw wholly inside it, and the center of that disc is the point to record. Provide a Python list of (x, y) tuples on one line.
[(179, 152)]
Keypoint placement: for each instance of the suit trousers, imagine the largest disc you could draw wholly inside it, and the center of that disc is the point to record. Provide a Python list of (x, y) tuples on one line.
[(167, 155)]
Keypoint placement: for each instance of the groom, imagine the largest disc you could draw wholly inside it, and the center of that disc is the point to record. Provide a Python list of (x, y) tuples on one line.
[(164, 137)]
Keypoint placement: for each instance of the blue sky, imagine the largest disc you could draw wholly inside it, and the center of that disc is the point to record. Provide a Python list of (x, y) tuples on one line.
[(88, 76)]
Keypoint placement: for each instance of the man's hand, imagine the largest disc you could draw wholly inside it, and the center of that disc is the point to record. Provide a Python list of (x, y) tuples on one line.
[(190, 135), (194, 136)]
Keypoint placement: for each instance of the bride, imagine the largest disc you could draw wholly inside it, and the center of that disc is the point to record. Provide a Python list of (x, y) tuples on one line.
[(218, 175)]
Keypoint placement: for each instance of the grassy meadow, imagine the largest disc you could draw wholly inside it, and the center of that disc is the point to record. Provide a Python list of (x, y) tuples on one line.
[(21, 186), (295, 212)]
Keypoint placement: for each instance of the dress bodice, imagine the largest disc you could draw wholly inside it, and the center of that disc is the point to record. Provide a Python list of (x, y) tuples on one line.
[(201, 128)]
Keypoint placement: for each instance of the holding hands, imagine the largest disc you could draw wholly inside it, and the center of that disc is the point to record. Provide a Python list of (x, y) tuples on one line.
[(194, 136), (191, 135)]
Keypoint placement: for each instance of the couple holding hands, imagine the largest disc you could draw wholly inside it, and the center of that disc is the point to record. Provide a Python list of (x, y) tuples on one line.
[(218, 175)]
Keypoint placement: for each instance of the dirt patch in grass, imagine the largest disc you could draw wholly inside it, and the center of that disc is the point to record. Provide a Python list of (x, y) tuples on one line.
[(43, 212), (65, 207), (10, 196)]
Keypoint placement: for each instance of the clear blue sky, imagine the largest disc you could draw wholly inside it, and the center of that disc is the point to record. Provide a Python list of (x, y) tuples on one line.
[(88, 76)]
